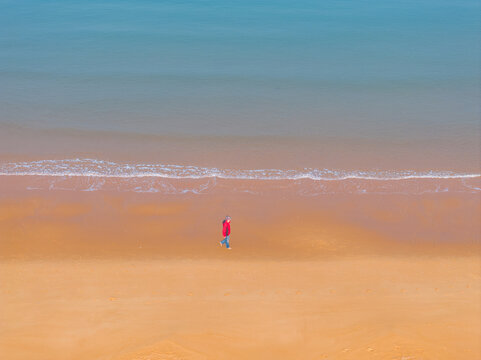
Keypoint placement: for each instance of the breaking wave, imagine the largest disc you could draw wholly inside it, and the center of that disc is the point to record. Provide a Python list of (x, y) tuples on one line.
[(101, 168), (95, 175)]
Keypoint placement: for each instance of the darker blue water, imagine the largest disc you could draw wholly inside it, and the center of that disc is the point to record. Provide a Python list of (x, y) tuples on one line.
[(370, 69)]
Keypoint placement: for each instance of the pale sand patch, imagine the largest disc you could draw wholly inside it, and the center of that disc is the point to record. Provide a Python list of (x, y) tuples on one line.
[(369, 307)]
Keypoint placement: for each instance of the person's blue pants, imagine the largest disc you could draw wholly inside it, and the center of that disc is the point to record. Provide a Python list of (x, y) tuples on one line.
[(226, 241)]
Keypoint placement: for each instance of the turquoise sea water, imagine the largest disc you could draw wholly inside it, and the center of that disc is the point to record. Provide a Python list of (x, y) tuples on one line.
[(376, 70), (241, 67)]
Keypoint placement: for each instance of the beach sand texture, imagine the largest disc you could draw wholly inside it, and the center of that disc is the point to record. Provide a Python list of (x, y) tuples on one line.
[(354, 308), (102, 275)]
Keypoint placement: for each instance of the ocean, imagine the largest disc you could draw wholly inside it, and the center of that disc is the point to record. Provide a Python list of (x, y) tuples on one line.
[(367, 89)]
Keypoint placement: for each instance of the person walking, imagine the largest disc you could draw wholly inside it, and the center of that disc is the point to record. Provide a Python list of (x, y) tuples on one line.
[(226, 232)]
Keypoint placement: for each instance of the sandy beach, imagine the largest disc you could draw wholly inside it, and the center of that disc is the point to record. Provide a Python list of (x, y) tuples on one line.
[(369, 307), (104, 275)]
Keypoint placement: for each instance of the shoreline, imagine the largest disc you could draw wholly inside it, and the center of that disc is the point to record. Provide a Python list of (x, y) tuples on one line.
[(426, 153)]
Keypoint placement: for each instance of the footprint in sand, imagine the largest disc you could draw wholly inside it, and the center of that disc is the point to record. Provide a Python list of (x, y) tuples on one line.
[(164, 350)]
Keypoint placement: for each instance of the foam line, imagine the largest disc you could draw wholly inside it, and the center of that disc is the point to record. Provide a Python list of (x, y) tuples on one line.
[(108, 169)]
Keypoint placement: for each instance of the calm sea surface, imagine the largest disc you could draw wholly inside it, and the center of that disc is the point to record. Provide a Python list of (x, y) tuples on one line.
[(370, 81)]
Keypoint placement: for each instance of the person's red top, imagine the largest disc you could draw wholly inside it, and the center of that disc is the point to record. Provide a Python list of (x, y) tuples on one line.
[(226, 228)]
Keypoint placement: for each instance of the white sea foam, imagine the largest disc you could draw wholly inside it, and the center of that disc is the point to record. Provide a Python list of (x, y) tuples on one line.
[(108, 169), (96, 175)]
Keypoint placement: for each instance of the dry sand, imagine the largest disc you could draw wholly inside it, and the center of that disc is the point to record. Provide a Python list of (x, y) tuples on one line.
[(353, 308)]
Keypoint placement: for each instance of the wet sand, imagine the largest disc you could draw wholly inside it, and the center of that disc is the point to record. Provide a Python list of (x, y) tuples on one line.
[(105, 275)]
